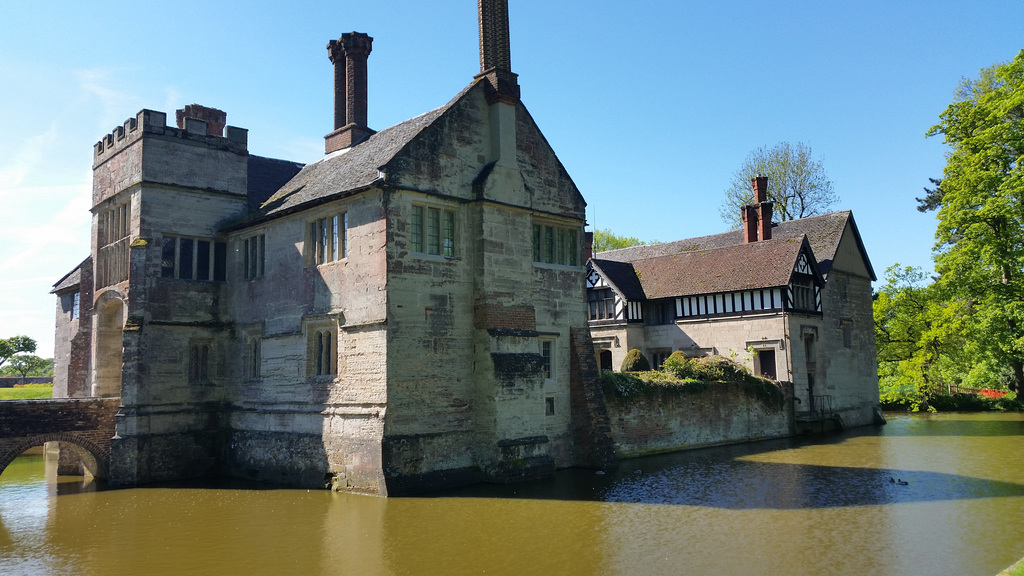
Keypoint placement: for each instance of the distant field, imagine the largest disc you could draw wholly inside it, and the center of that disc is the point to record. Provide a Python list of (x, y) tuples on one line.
[(27, 392)]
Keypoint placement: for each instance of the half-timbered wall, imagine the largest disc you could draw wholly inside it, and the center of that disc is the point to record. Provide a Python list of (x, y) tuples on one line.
[(768, 299), (605, 303)]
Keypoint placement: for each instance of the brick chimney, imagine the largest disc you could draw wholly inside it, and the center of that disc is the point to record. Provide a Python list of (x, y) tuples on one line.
[(757, 217), (349, 54), (215, 119), (749, 215), (764, 207), (495, 51)]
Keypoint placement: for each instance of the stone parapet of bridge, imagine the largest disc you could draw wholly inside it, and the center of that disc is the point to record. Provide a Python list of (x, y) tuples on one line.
[(85, 424)]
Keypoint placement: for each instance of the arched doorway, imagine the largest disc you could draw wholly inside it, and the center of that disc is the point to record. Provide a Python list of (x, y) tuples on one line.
[(108, 346), (604, 358)]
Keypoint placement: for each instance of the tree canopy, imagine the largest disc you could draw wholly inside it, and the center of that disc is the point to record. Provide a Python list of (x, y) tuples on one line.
[(15, 345), (980, 235), (27, 365), (604, 239), (797, 183)]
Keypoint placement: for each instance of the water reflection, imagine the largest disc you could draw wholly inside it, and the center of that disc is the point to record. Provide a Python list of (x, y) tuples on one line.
[(779, 507)]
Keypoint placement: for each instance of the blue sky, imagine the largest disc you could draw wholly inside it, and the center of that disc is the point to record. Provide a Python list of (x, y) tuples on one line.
[(650, 105)]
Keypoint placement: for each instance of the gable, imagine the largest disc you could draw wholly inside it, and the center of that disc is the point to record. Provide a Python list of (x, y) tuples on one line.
[(850, 256), (450, 157)]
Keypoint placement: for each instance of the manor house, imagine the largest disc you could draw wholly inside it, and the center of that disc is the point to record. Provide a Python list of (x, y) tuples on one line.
[(399, 315), (790, 300)]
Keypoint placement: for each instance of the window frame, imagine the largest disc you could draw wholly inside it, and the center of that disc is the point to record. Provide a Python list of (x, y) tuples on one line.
[(199, 362), (171, 252), (254, 256), (327, 239), (433, 231), (322, 348), (549, 361), (598, 307), (556, 244)]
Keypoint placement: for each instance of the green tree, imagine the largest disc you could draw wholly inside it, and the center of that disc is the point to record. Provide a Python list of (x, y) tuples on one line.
[(604, 239), (15, 345), (922, 337), (26, 365), (980, 236), (797, 183)]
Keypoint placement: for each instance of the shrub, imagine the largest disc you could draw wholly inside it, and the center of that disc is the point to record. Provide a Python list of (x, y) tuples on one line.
[(690, 376), (679, 365), (635, 361)]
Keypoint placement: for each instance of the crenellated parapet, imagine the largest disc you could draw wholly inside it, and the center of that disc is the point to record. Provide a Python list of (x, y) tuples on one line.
[(151, 122)]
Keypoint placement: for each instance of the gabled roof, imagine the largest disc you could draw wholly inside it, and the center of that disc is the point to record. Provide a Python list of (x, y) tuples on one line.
[(823, 233), (70, 280), (622, 277), (345, 171), (266, 176), (750, 266)]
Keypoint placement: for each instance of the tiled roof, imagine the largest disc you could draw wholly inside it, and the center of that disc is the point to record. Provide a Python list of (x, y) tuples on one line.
[(823, 233), (622, 276), (347, 170), (723, 269)]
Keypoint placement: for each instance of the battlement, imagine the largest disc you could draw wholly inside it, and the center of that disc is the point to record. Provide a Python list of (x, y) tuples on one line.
[(155, 123)]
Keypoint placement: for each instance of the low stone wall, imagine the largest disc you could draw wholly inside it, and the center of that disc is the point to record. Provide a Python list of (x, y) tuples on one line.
[(11, 381), (668, 420)]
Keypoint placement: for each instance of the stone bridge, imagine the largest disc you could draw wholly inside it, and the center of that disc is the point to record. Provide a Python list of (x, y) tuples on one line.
[(85, 425)]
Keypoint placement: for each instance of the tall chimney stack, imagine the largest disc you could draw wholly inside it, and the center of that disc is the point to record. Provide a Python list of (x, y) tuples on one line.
[(764, 207), (336, 53), (749, 215), (757, 217), (496, 52), (349, 55)]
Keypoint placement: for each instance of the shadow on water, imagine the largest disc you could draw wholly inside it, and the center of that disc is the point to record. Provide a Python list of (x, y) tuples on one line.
[(721, 477)]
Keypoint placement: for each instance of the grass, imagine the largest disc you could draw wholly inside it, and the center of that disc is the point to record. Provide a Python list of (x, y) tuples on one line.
[(27, 392)]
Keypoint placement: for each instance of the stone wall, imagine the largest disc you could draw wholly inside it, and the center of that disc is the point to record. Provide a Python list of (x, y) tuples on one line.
[(850, 359), (12, 381), (667, 420)]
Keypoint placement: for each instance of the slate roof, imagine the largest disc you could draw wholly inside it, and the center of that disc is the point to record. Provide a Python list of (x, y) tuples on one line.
[(266, 176), (823, 234), (751, 266), (345, 171), (622, 276), (70, 280)]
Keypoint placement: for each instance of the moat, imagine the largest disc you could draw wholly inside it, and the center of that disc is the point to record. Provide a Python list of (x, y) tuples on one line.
[(926, 494)]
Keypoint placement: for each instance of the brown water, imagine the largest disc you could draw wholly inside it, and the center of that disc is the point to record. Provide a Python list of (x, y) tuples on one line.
[(781, 507)]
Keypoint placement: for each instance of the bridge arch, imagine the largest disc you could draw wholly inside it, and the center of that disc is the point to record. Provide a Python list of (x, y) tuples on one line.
[(95, 457)]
